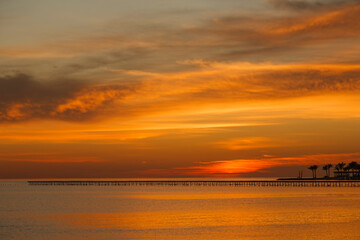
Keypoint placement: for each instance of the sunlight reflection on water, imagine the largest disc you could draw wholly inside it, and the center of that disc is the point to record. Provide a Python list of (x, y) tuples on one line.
[(177, 212)]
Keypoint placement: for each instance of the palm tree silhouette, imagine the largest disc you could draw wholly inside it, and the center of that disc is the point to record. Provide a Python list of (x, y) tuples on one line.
[(357, 168), (347, 172), (340, 167), (326, 168), (353, 166), (313, 168)]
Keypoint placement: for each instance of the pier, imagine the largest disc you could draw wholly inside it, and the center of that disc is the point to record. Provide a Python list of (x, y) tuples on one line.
[(255, 183)]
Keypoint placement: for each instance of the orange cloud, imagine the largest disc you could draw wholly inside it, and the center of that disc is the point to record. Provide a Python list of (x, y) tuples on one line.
[(89, 100), (333, 23), (215, 85), (246, 143), (15, 111)]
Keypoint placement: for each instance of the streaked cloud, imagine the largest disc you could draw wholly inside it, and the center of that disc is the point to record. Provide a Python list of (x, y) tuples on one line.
[(23, 98), (275, 37), (309, 5), (201, 89), (246, 143)]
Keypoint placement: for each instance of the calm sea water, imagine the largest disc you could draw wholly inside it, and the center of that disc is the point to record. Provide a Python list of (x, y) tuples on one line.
[(178, 212)]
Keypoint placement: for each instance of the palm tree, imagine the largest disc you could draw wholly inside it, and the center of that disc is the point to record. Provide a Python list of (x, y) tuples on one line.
[(353, 166), (313, 168), (342, 164), (326, 168), (358, 170), (329, 166), (337, 168), (340, 167), (346, 171)]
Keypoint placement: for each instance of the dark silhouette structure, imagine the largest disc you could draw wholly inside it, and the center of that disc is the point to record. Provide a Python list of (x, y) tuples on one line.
[(327, 168), (342, 171), (313, 168), (349, 172)]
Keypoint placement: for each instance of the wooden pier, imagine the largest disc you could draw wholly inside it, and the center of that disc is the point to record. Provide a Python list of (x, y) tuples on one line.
[(255, 183)]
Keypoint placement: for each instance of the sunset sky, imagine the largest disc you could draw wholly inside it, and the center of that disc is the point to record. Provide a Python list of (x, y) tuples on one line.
[(180, 88)]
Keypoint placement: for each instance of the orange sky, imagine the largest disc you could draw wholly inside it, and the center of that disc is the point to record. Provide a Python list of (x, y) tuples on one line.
[(182, 89)]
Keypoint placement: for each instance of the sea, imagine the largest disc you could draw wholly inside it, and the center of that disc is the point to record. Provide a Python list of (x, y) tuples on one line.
[(177, 212)]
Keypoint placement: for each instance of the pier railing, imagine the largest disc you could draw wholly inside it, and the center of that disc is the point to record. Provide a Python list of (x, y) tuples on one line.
[(255, 183)]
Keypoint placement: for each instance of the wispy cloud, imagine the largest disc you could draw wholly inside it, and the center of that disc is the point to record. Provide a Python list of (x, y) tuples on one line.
[(247, 143), (309, 5), (23, 98), (270, 36), (235, 32)]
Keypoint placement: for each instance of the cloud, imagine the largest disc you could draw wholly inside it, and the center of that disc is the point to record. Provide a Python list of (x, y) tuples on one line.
[(78, 47), (245, 81), (233, 36), (296, 4), (336, 23), (309, 5), (247, 143), (264, 36), (23, 98)]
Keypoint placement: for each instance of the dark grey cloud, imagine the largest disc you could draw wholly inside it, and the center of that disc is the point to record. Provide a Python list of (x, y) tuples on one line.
[(23, 88), (296, 4), (24, 98), (309, 5)]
